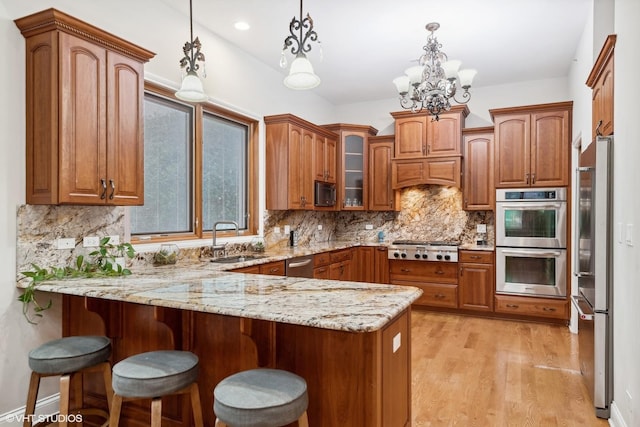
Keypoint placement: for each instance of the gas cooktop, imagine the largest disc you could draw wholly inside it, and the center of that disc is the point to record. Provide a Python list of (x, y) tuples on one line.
[(420, 250)]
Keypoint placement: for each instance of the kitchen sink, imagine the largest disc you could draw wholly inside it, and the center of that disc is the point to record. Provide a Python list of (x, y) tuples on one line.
[(236, 258)]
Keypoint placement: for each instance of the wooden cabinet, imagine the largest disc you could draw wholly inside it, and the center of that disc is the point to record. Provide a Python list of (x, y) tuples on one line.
[(275, 268), (396, 368), (532, 145), (291, 152), (428, 151), (476, 280), (84, 116), (363, 264), (321, 264), (353, 164), (419, 136), (340, 267), (382, 196), (325, 159), (381, 265), (478, 187), (440, 171), (600, 81), (532, 307), (335, 265), (438, 281)]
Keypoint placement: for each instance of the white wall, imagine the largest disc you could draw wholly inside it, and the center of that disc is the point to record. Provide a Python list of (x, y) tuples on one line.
[(234, 79), (626, 210), (482, 100)]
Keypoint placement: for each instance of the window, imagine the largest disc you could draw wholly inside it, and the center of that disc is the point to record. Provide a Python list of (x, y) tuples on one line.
[(200, 167)]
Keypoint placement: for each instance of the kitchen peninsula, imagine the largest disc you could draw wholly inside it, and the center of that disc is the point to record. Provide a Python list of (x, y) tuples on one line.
[(349, 340)]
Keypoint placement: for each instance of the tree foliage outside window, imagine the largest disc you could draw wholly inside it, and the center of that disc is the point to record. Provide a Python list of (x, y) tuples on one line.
[(180, 141), (224, 172)]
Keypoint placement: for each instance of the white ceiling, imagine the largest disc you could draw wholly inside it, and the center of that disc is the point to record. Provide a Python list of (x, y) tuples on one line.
[(367, 43)]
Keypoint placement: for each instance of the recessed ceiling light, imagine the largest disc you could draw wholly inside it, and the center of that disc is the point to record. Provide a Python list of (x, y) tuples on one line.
[(242, 26)]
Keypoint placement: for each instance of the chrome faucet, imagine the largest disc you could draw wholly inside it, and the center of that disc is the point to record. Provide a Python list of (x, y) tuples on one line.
[(216, 247)]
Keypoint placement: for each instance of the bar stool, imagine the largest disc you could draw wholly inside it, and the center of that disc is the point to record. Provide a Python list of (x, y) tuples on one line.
[(261, 398), (153, 375), (69, 357)]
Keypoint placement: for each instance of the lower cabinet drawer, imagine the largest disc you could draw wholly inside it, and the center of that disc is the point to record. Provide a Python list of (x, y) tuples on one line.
[(531, 306), (435, 294)]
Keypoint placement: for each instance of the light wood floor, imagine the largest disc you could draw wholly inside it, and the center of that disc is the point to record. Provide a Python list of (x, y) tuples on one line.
[(470, 371)]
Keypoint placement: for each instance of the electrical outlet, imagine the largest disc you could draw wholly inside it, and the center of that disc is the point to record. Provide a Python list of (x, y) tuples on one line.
[(319, 227), (276, 230), (66, 243), (114, 240), (287, 229), (91, 242), (481, 228), (368, 227)]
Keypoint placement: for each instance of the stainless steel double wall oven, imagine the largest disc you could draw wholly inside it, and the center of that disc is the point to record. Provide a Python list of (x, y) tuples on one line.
[(531, 241)]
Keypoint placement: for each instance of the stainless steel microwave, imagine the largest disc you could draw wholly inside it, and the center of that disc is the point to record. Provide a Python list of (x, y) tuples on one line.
[(324, 194)]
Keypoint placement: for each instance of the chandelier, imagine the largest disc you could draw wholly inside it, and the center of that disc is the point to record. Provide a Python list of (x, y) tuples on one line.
[(301, 75), (432, 84), (191, 89)]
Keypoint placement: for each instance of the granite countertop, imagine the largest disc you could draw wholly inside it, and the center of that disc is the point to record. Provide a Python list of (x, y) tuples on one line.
[(474, 247), (205, 286)]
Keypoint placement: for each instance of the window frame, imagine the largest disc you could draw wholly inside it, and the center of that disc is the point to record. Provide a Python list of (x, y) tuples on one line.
[(197, 167)]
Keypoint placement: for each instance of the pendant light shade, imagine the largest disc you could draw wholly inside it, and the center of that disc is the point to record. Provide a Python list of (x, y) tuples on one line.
[(301, 75), (191, 89)]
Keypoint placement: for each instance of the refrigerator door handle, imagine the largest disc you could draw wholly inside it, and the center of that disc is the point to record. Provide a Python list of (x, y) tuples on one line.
[(576, 300)]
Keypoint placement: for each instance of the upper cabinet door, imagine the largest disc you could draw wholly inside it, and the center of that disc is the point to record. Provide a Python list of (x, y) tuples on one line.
[(550, 149), (443, 136), (512, 150), (83, 130), (411, 137), (125, 159), (478, 187)]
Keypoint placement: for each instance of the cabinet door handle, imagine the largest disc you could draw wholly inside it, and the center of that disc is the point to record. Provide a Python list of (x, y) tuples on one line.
[(526, 175), (475, 257), (103, 183), (424, 149), (439, 272), (274, 269), (428, 149), (113, 189), (548, 309), (461, 271), (405, 270), (533, 178), (512, 305), (438, 296)]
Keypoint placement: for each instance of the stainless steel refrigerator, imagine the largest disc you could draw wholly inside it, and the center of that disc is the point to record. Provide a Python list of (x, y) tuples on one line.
[(592, 266)]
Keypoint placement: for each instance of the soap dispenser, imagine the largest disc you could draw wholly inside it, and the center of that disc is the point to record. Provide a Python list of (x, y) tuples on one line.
[(293, 238)]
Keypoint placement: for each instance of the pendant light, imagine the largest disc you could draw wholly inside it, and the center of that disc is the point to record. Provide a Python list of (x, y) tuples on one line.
[(191, 89)]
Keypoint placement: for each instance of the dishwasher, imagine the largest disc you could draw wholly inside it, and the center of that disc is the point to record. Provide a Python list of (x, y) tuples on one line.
[(301, 266)]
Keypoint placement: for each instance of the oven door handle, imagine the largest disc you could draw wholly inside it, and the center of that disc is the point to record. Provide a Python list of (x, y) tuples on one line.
[(530, 205), (532, 253), (576, 299)]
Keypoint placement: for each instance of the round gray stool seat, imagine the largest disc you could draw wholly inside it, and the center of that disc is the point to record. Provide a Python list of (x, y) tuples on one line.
[(155, 373), (260, 398), (69, 354)]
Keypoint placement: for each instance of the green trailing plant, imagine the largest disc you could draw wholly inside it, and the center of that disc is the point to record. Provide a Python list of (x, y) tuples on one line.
[(101, 264)]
